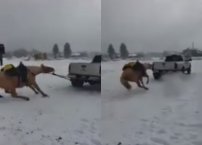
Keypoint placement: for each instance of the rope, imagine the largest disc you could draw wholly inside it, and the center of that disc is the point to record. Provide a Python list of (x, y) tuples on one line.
[(60, 76)]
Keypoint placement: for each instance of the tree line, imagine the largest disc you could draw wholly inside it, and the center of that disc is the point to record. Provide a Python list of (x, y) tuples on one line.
[(67, 52), (123, 51)]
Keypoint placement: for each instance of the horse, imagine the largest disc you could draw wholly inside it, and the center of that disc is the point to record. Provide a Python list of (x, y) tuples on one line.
[(134, 72), (10, 83)]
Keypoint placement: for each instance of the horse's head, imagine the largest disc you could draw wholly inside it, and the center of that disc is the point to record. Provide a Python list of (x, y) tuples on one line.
[(47, 69)]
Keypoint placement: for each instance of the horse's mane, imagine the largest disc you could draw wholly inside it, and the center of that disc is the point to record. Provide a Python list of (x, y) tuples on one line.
[(34, 69), (40, 69), (32, 66)]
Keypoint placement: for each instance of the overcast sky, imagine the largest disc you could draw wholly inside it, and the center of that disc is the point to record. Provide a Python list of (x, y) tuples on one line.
[(152, 25), (39, 24)]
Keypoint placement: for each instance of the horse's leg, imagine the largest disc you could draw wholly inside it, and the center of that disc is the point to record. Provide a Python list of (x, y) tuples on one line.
[(39, 89), (125, 83), (32, 88), (140, 83), (29, 84), (146, 75), (34, 85), (143, 86), (14, 95), (6, 91)]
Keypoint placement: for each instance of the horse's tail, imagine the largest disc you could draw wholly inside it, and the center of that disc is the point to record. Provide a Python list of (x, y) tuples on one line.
[(125, 83)]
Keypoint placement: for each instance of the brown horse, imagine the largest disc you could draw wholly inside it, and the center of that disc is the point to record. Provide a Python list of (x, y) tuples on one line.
[(9, 84), (135, 75)]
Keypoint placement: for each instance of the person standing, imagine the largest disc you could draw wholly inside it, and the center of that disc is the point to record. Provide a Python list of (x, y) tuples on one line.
[(22, 71), (1, 59), (2, 51)]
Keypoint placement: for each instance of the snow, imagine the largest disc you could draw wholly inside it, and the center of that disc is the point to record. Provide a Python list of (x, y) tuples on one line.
[(69, 116), (169, 113)]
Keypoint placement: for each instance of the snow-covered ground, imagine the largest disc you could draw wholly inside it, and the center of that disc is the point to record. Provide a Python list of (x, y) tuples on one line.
[(169, 113), (68, 117)]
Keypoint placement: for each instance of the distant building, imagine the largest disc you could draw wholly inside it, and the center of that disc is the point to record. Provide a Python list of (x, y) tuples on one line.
[(132, 55), (192, 52), (76, 55), (40, 56), (105, 57), (165, 53)]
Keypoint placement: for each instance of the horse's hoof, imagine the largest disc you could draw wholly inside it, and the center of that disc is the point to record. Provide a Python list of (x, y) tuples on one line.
[(6, 91), (26, 99), (128, 88), (45, 95)]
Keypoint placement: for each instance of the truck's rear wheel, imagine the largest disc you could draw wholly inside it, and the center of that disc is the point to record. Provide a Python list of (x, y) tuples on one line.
[(77, 83), (189, 70), (183, 70), (92, 83), (157, 75)]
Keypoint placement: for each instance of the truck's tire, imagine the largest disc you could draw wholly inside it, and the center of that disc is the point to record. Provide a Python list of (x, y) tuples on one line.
[(189, 70), (92, 83), (77, 83), (176, 67), (157, 75), (183, 70)]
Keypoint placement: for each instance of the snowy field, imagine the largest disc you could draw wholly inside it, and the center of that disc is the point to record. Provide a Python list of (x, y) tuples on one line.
[(68, 117), (169, 113)]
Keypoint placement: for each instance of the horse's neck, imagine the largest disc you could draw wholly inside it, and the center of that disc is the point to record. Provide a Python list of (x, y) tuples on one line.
[(35, 69), (147, 66)]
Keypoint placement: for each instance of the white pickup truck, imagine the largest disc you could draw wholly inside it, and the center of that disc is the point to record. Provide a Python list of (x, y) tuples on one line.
[(172, 63), (79, 73)]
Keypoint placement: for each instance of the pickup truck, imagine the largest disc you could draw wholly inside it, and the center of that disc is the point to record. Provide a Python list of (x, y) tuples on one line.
[(172, 63), (80, 73)]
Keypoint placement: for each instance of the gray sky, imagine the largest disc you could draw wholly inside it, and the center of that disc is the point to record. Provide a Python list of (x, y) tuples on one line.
[(152, 25), (41, 23)]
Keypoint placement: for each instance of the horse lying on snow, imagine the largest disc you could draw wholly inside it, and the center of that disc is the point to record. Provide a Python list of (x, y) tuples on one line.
[(22, 76), (134, 72)]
